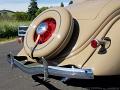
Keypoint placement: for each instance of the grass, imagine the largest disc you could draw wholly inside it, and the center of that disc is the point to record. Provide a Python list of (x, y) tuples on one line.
[(13, 22), (9, 28)]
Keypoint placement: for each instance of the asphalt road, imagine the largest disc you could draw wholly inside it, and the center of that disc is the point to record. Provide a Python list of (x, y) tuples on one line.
[(18, 80)]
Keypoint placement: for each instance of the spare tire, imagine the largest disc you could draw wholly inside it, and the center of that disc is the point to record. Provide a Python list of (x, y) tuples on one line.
[(59, 24)]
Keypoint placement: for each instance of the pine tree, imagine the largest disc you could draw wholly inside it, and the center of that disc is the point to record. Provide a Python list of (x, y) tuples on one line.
[(32, 9), (71, 2), (62, 5)]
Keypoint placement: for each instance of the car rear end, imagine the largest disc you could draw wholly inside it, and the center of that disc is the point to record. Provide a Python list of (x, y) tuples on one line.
[(69, 54)]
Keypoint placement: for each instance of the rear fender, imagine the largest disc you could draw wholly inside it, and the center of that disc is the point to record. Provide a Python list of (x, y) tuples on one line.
[(108, 63)]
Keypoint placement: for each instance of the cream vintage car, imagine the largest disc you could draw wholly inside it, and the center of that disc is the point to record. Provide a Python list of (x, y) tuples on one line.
[(78, 41)]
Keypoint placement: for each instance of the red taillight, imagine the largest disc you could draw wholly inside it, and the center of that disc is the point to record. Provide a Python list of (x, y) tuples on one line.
[(49, 25), (94, 43)]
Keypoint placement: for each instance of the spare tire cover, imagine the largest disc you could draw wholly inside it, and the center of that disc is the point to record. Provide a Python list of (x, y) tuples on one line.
[(58, 39)]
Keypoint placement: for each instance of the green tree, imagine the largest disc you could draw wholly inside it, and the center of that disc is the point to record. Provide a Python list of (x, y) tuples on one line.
[(71, 2), (40, 10), (62, 5), (32, 9), (0, 16)]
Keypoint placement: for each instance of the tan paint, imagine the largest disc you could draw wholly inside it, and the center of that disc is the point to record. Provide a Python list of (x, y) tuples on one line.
[(23, 53), (96, 19), (100, 25), (78, 1), (108, 64), (90, 28), (57, 41)]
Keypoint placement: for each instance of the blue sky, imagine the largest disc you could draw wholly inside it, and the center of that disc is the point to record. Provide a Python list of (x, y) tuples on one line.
[(22, 5)]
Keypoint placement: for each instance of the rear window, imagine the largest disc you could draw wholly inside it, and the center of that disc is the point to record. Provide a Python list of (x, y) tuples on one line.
[(22, 32), (23, 28)]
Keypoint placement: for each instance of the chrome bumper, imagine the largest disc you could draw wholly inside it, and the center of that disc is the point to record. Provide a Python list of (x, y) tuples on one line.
[(52, 70)]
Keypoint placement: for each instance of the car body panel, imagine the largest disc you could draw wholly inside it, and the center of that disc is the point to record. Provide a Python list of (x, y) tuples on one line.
[(88, 9), (90, 29), (108, 63), (93, 19)]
